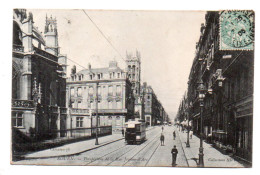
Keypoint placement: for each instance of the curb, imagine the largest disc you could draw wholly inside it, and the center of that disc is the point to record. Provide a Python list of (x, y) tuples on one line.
[(191, 163), (183, 149), (72, 154)]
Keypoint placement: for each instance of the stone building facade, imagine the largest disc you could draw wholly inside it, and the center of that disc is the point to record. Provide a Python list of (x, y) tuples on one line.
[(154, 112), (38, 79), (228, 104), (106, 90)]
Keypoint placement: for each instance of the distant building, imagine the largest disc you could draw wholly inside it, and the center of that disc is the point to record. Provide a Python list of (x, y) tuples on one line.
[(115, 100), (154, 112), (38, 79)]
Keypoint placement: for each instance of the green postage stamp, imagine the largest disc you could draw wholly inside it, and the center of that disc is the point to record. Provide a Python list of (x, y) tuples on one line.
[(236, 30)]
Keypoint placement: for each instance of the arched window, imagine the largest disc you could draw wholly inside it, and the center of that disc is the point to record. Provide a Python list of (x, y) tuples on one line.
[(16, 75), (53, 93), (133, 68), (17, 34)]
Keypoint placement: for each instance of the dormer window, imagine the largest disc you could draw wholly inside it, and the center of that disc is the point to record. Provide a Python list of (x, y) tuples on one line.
[(91, 77), (118, 75)]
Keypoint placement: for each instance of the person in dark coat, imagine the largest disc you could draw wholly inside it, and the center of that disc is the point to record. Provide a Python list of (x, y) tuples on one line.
[(174, 155), (174, 135), (162, 139), (123, 132)]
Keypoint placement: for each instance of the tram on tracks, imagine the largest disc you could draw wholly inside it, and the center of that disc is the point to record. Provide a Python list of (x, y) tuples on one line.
[(135, 131)]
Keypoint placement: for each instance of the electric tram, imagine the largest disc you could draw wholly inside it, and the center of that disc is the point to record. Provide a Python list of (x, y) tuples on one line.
[(135, 131)]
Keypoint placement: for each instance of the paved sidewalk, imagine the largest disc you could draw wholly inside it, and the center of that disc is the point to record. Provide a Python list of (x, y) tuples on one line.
[(74, 148), (212, 157)]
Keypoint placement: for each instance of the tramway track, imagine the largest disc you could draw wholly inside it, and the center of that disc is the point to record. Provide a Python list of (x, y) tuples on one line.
[(152, 154), (122, 148), (142, 149), (106, 154)]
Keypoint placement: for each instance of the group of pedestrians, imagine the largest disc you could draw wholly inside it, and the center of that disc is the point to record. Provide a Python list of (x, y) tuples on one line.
[(174, 150)]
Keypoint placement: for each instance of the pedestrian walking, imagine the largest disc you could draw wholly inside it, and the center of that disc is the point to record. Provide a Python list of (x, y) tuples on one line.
[(123, 132), (191, 133), (174, 135), (162, 128), (174, 155), (162, 139)]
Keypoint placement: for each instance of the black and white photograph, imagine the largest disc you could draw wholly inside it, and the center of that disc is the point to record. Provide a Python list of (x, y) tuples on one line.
[(135, 88)]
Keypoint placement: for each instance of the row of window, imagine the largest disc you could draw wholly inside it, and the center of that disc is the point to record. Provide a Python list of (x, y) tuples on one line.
[(91, 91), (92, 105), (113, 75), (132, 68), (98, 76), (79, 121)]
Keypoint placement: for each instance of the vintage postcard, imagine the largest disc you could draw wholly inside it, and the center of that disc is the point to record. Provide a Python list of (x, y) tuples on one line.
[(132, 88)]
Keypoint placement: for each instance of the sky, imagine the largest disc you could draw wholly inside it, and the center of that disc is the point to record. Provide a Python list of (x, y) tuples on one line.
[(166, 40)]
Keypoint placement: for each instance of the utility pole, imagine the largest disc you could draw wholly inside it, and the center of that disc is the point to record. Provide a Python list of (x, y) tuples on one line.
[(96, 114)]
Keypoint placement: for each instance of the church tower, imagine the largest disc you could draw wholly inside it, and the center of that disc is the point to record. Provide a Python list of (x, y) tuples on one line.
[(134, 71), (51, 36)]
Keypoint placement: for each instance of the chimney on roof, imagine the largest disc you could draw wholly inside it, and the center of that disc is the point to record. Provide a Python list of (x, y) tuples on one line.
[(73, 69), (89, 66), (112, 64)]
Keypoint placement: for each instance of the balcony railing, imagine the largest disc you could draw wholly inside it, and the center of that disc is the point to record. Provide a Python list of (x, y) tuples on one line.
[(22, 104), (79, 111), (45, 54), (63, 110), (112, 110), (53, 109), (18, 48)]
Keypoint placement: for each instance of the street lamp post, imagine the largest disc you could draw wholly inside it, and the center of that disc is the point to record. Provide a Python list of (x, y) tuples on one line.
[(201, 103), (188, 134), (96, 143)]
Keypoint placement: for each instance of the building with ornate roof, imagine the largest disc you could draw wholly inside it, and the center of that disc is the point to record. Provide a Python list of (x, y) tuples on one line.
[(103, 91)]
